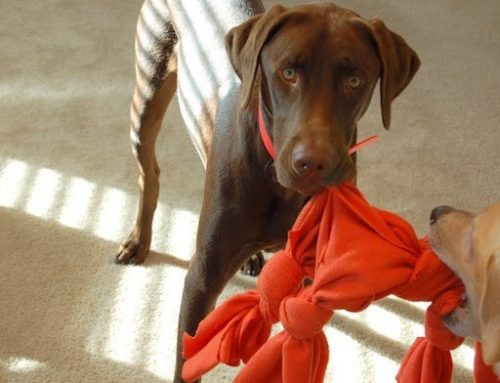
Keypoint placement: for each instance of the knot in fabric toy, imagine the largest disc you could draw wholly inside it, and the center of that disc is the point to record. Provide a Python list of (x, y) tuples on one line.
[(273, 290), (303, 319), (435, 333)]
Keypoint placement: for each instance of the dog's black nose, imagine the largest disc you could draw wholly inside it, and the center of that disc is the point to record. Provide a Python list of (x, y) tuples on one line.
[(312, 159), (439, 212)]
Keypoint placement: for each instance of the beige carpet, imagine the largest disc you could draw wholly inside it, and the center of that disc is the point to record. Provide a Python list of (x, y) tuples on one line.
[(68, 188)]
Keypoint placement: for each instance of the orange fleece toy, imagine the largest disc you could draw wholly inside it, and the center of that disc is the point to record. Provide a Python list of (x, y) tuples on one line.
[(355, 254)]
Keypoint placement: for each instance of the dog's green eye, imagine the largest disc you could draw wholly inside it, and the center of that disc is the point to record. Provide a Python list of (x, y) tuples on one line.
[(289, 74), (354, 81)]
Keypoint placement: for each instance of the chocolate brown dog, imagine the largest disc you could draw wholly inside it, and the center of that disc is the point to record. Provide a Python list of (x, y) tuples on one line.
[(312, 71), (470, 246)]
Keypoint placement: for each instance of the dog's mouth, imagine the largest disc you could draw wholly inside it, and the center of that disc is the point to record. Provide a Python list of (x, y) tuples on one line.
[(454, 320), (462, 321), (434, 240), (463, 304), (308, 189)]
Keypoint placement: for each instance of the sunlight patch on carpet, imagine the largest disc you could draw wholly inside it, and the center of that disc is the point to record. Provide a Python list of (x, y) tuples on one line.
[(114, 203), (386, 331), (128, 316), (384, 322), (343, 351), (21, 364), (162, 334), (45, 187), (78, 198), (79, 203), (176, 229), (12, 176), (141, 327), (464, 356)]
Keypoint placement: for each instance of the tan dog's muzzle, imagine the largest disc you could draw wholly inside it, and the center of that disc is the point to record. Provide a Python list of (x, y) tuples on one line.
[(470, 246)]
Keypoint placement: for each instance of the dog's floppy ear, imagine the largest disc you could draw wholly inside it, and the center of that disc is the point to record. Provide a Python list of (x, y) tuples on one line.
[(489, 311), (399, 64), (245, 42)]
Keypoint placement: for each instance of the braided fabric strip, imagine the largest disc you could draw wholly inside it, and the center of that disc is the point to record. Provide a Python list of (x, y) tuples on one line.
[(345, 245)]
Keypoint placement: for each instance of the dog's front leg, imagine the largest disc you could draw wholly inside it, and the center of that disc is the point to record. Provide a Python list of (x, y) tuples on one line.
[(200, 294), (222, 247)]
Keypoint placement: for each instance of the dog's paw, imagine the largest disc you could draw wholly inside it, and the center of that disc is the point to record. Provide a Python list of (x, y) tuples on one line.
[(131, 252), (253, 266)]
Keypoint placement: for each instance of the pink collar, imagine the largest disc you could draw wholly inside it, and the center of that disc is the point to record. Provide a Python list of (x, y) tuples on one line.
[(268, 143)]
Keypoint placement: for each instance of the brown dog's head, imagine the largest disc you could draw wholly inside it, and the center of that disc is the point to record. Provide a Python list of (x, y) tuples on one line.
[(470, 246), (314, 68)]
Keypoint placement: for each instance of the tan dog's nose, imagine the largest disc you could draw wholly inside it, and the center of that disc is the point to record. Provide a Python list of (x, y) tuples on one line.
[(439, 212), (313, 160)]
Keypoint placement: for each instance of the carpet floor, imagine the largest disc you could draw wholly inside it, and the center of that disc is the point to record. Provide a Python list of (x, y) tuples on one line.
[(68, 191)]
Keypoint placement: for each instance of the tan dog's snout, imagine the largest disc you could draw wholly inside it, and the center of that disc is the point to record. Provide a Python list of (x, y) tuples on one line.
[(470, 246), (439, 211)]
